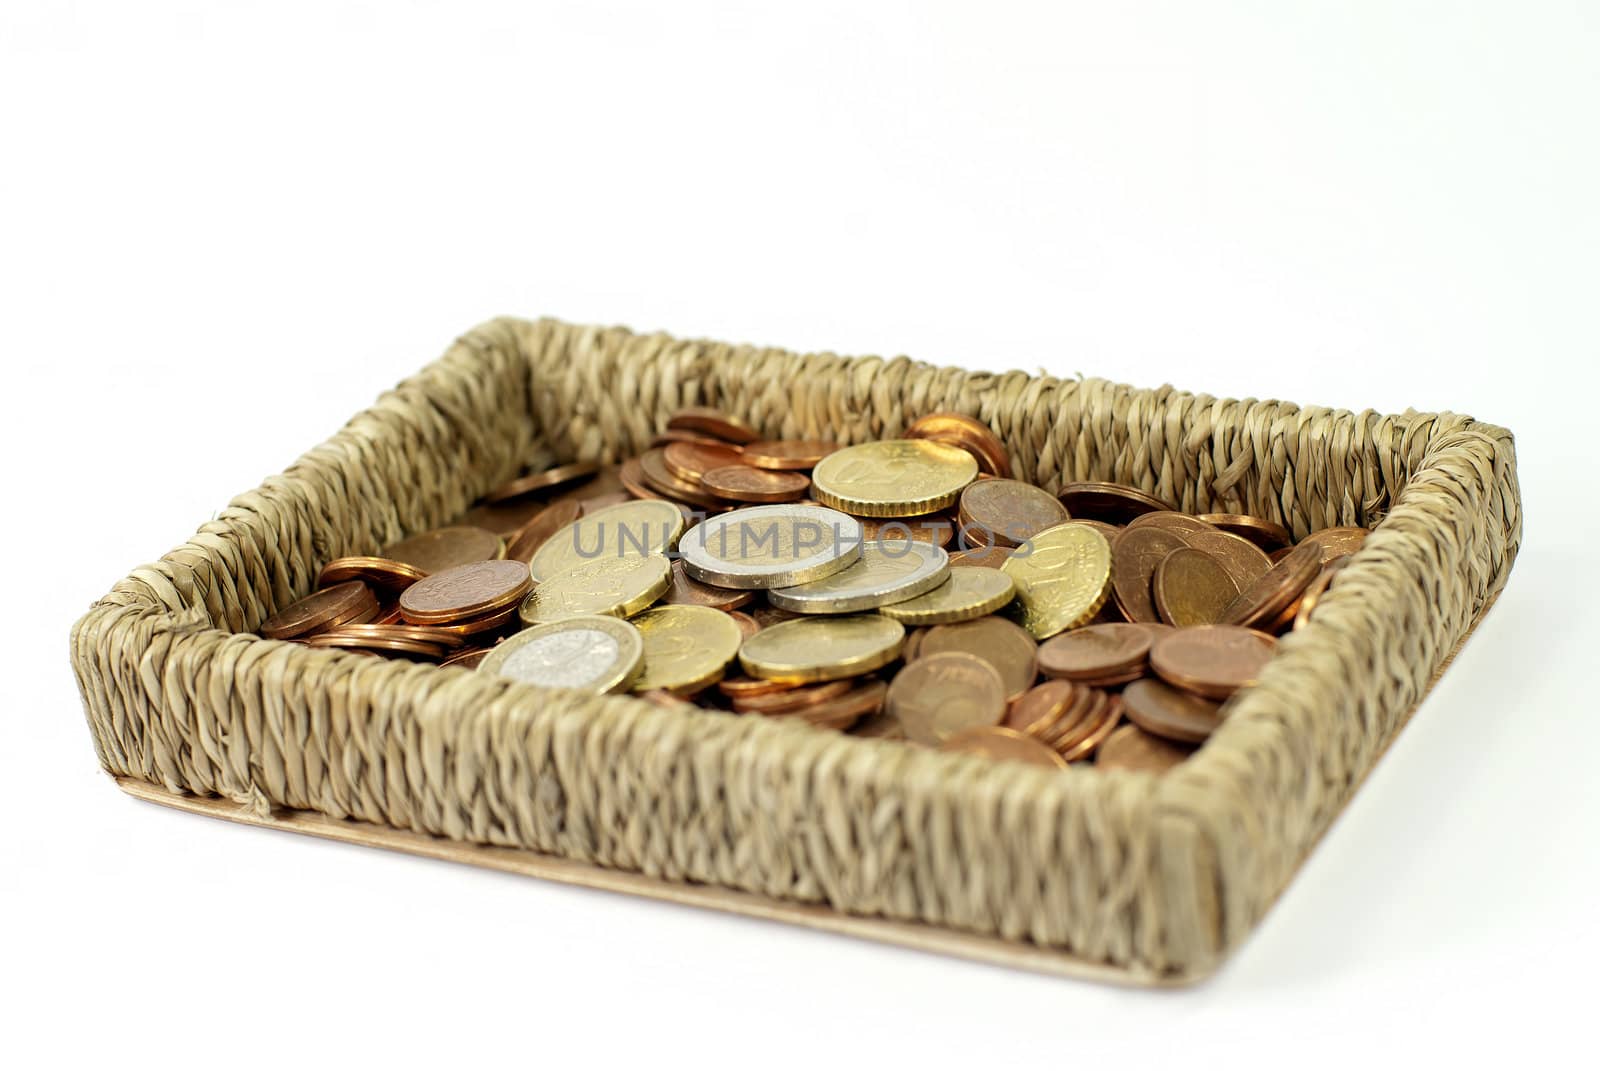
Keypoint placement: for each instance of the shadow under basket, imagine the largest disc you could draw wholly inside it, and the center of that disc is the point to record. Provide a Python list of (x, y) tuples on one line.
[(1116, 875)]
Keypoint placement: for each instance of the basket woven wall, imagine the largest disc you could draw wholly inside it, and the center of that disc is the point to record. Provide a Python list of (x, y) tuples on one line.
[(1147, 878)]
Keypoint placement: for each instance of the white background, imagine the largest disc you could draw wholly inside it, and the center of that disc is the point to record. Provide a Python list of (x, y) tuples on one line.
[(221, 233)]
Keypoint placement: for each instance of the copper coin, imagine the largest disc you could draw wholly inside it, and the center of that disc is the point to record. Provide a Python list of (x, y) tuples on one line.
[(865, 700), (1270, 595), (543, 481), (935, 529), (787, 453), (1193, 588), (320, 610), (1077, 716), (446, 548), (969, 433), (380, 573), (1135, 556), (485, 623), (748, 626), (419, 633), (546, 523), (1171, 521), (1314, 591), (1243, 560), (677, 435), (1112, 502), (384, 645), (1041, 707), (465, 591), (467, 657), (712, 422), (690, 461), (1097, 726), (1131, 748), (908, 650), (632, 476), (1258, 530), (745, 687), (1212, 660), (1337, 542), (1169, 712), (501, 518), (741, 483), (687, 591), (938, 695), (767, 616), (880, 726), (653, 464), (789, 699), (983, 558), (1004, 645), (1097, 654), (998, 742), (1010, 512)]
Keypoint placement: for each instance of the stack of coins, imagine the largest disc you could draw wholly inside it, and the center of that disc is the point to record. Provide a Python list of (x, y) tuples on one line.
[(906, 589)]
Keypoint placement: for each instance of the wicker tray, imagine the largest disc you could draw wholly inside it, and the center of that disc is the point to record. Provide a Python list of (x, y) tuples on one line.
[(1116, 875)]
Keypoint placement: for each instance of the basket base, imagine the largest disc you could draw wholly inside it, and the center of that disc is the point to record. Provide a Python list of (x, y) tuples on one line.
[(551, 868)]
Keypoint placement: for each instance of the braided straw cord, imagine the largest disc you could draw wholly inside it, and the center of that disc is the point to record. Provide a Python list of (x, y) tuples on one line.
[(1159, 876)]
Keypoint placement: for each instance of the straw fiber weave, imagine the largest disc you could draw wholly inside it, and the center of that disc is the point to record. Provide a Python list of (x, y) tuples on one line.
[(1154, 877)]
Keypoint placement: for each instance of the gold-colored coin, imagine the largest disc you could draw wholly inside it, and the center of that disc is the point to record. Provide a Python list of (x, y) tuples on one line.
[(686, 648), (595, 654), (610, 587), (893, 478), (882, 575), (770, 546), (967, 593), (630, 530), (1063, 576), (822, 648)]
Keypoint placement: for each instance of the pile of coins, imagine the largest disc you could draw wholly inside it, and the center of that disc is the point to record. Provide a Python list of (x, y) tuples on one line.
[(906, 589)]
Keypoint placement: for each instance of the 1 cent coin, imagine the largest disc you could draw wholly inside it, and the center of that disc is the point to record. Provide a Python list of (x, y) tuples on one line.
[(937, 696), (1009, 512), (998, 742), (1004, 645), (1193, 588), (1112, 502), (1212, 660), (713, 422), (691, 460), (787, 454), (1131, 748), (1277, 589), (341, 604), (741, 483), (465, 591), (543, 481), (1097, 654), (1169, 712)]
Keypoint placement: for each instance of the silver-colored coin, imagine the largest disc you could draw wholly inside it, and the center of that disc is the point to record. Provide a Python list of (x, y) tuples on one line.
[(884, 574), (595, 654), (770, 546)]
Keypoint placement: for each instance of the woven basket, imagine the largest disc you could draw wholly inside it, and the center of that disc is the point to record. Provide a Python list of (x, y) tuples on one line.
[(1115, 874)]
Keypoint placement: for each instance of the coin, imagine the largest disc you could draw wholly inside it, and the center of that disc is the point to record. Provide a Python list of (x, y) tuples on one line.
[(787, 453), (788, 699), (483, 624), (1193, 588), (864, 700), (653, 464), (1169, 712), (1092, 731), (998, 742), (527, 540), (420, 633), (1063, 582), (380, 573), (970, 434), (1131, 748), (1101, 655), (419, 649), (445, 548), (608, 587), (1212, 660), (893, 477), (632, 475), (822, 648), (1005, 646), (467, 657), (1136, 554), (633, 529), (687, 591), (935, 529), (939, 695), (1171, 521), (1314, 592), (1270, 595), (501, 518), (741, 483), (747, 687), (691, 460), (686, 648), (331, 606), (748, 626), (770, 546), (1337, 542), (1041, 707), (1009, 512), (981, 557), (966, 594), (712, 422), (1113, 502), (1244, 561), (464, 591), (1263, 533), (878, 577), (880, 726), (1076, 716), (543, 481), (593, 654)]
